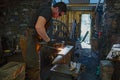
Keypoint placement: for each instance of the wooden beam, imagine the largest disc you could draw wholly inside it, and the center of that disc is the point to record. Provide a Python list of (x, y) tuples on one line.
[(81, 5)]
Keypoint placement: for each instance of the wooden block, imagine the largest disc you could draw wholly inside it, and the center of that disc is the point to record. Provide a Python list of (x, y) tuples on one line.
[(106, 65), (13, 71), (106, 70)]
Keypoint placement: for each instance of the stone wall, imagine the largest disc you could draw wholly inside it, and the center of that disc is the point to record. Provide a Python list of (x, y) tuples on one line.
[(106, 27), (110, 25), (15, 18)]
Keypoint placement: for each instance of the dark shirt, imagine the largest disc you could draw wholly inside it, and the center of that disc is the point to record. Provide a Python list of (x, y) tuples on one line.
[(45, 11)]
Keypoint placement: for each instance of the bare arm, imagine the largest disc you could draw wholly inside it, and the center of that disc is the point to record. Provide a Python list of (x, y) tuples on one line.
[(40, 28)]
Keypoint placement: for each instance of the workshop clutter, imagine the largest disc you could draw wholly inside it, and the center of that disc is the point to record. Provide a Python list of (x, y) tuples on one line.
[(114, 52), (74, 66)]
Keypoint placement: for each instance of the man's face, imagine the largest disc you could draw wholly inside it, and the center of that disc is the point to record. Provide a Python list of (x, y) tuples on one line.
[(57, 13)]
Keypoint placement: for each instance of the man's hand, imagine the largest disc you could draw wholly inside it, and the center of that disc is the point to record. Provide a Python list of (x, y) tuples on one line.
[(50, 43), (43, 43)]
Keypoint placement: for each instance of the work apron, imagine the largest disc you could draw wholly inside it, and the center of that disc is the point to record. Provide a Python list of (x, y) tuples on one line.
[(30, 55)]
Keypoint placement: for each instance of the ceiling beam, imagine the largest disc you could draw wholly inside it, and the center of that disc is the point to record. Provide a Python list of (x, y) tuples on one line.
[(81, 5)]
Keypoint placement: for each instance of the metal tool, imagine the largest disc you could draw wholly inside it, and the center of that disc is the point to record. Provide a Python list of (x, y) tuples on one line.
[(62, 53)]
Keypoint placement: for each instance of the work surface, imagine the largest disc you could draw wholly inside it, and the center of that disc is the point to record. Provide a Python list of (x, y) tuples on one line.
[(114, 53)]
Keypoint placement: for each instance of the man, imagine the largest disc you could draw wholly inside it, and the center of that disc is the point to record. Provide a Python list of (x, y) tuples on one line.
[(30, 54), (56, 11)]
